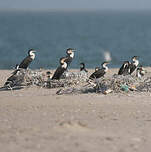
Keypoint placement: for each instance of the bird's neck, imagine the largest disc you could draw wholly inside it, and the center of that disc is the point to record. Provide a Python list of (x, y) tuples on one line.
[(105, 67), (64, 65), (32, 55)]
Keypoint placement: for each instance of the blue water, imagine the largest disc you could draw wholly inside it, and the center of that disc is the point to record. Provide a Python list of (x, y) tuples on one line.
[(124, 34)]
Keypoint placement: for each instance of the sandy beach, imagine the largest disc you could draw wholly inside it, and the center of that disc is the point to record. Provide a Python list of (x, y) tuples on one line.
[(37, 120)]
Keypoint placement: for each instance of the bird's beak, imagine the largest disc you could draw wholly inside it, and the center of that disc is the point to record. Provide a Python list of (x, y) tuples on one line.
[(74, 50)]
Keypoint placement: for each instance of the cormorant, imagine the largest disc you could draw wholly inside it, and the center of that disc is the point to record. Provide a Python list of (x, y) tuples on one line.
[(140, 71), (61, 69), (99, 72), (70, 55), (82, 67), (124, 70), (15, 79), (134, 64), (31, 56)]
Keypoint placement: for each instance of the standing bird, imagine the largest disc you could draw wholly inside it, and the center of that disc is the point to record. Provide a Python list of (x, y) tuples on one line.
[(70, 55), (140, 72), (124, 70), (31, 56), (99, 72), (134, 64), (82, 67), (60, 70)]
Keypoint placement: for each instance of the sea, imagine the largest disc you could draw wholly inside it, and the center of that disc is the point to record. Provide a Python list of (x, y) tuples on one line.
[(96, 36)]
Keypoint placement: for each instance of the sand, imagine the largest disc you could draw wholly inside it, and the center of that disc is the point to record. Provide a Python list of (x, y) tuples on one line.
[(37, 120)]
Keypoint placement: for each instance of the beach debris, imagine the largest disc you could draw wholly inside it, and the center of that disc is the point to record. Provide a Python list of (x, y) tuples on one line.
[(107, 91), (81, 76), (77, 82), (124, 87)]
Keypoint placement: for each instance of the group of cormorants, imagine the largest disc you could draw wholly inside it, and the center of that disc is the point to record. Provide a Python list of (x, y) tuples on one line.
[(126, 69)]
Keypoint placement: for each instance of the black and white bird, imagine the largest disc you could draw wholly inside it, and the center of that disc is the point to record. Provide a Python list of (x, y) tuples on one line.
[(16, 79), (124, 70), (99, 72), (70, 56), (26, 62), (140, 71), (134, 64), (82, 67), (60, 70)]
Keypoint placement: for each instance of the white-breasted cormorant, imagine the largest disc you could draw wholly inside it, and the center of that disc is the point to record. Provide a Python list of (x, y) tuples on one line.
[(25, 63), (133, 65), (99, 72), (70, 55), (124, 70), (140, 72), (60, 70), (82, 67)]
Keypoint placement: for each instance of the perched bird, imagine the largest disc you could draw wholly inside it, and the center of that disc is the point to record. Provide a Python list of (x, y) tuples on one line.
[(133, 65), (70, 56), (140, 72), (99, 72), (15, 79), (124, 70), (48, 73), (61, 69), (82, 67), (25, 63)]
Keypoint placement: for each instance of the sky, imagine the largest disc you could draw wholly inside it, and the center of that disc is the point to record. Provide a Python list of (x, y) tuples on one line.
[(76, 4)]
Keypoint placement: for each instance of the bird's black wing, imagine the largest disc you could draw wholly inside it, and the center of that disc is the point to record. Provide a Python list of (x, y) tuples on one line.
[(25, 63), (132, 68), (58, 73), (97, 74), (121, 70)]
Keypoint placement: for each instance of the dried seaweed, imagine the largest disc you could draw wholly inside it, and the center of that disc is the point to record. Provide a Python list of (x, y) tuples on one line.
[(78, 82)]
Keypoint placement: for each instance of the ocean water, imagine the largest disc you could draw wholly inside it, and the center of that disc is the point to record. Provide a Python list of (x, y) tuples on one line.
[(123, 34)]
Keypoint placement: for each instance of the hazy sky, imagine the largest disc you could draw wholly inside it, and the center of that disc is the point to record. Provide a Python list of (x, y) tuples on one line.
[(75, 4)]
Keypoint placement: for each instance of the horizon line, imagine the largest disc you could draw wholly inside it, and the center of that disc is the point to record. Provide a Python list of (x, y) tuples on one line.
[(73, 10)]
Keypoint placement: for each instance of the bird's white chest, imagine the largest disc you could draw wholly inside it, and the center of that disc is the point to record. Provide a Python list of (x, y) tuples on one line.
[(138, 74), (72, 55), (64, 65), (136, 62), (105, 68)]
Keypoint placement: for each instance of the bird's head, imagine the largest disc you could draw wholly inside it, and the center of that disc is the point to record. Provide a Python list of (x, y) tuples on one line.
[(31, 52), (97, 68), (82, 65), (104, 63), (48, 73), (134, 58), (70, 52)]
